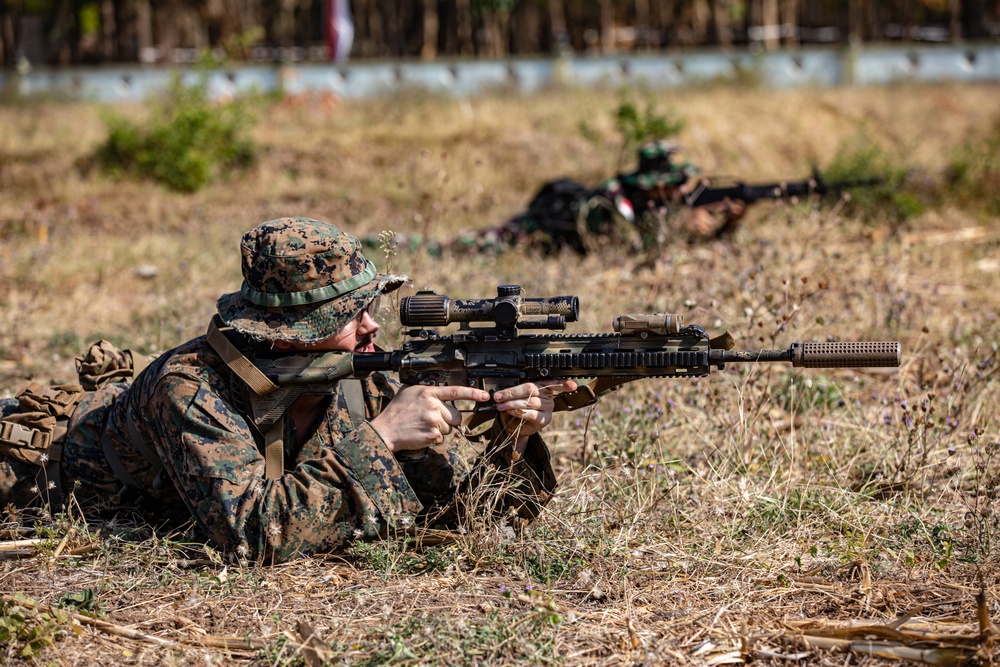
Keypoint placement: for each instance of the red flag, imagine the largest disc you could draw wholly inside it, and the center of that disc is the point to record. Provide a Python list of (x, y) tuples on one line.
[(339, 29)]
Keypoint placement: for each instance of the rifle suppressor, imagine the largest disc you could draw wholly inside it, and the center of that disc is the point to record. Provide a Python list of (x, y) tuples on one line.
[(868, 354)]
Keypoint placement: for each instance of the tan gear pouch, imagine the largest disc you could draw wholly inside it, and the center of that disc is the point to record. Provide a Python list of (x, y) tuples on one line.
[(33, 435), (105, 363)]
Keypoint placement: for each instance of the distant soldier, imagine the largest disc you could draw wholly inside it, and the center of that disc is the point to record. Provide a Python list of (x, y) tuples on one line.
[(550, 223), (643, 205), (643, 198)]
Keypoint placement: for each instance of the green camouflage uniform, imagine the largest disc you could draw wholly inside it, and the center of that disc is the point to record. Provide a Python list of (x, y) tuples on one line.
[(549, 224), (342, 483), (641, 197)]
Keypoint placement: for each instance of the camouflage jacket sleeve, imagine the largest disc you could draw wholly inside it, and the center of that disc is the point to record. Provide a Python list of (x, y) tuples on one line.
[(341, 485), (349, 486)]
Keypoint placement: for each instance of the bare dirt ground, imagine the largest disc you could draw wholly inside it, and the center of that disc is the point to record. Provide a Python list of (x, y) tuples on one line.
[(762, 514)]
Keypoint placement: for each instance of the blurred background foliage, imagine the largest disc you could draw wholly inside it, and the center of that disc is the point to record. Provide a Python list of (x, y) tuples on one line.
[(64, 32)]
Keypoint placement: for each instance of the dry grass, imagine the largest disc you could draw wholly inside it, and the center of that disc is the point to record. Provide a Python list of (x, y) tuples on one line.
[(699, 522)]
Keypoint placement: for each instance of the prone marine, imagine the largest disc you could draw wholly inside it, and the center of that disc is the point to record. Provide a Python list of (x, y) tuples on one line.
[(371, 458)]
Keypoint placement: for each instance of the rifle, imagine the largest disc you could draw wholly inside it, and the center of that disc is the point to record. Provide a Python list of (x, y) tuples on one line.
[(749, 193), (496, 356)]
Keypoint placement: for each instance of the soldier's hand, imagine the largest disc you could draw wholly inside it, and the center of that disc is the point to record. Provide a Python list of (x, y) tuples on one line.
[(420, 416), (700, 222), (736, 209), (527, 408)]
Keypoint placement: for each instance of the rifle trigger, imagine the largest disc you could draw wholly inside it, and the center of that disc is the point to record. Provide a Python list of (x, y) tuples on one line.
[(723, 341)]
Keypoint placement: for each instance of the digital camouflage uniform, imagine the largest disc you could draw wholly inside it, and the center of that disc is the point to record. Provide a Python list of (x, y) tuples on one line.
[(342, 483)]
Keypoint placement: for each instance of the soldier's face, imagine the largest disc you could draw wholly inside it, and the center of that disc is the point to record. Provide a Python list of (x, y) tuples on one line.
[(358, 335)]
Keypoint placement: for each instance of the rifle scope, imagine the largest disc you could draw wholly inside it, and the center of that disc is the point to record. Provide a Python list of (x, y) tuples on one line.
[(509, 310)]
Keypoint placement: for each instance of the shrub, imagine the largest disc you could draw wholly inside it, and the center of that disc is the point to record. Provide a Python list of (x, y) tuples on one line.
[(188, 141), (638, 125), (26, 628), (973, 175), (894, 196)]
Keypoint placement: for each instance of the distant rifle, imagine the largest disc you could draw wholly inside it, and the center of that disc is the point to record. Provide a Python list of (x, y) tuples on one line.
[(496, 356), (749, 193)]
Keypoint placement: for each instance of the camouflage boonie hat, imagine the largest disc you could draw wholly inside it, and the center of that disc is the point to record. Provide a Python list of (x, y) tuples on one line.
[(656, 167), (656, 154), (303, 280)]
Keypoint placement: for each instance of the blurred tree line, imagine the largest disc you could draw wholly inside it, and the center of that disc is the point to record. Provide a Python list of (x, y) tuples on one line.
[(166, 31)]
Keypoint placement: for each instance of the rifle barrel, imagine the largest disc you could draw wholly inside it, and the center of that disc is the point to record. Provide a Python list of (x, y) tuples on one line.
[(753, 192)]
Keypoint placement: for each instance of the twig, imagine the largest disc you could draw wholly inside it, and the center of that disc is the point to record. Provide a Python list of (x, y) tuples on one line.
[(63, 542), (229, 643), (14, 554), (20, 544), (945, 656), (107, 627)]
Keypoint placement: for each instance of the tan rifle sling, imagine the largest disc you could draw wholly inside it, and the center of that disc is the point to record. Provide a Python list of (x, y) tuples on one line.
[(260, 385), (354, 396)]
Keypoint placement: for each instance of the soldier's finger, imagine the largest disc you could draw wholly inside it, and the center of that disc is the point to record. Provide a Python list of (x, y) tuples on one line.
[(457, 393), (554, 387), (530, 403), (542, 388), (521, 391), (451, 415)]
